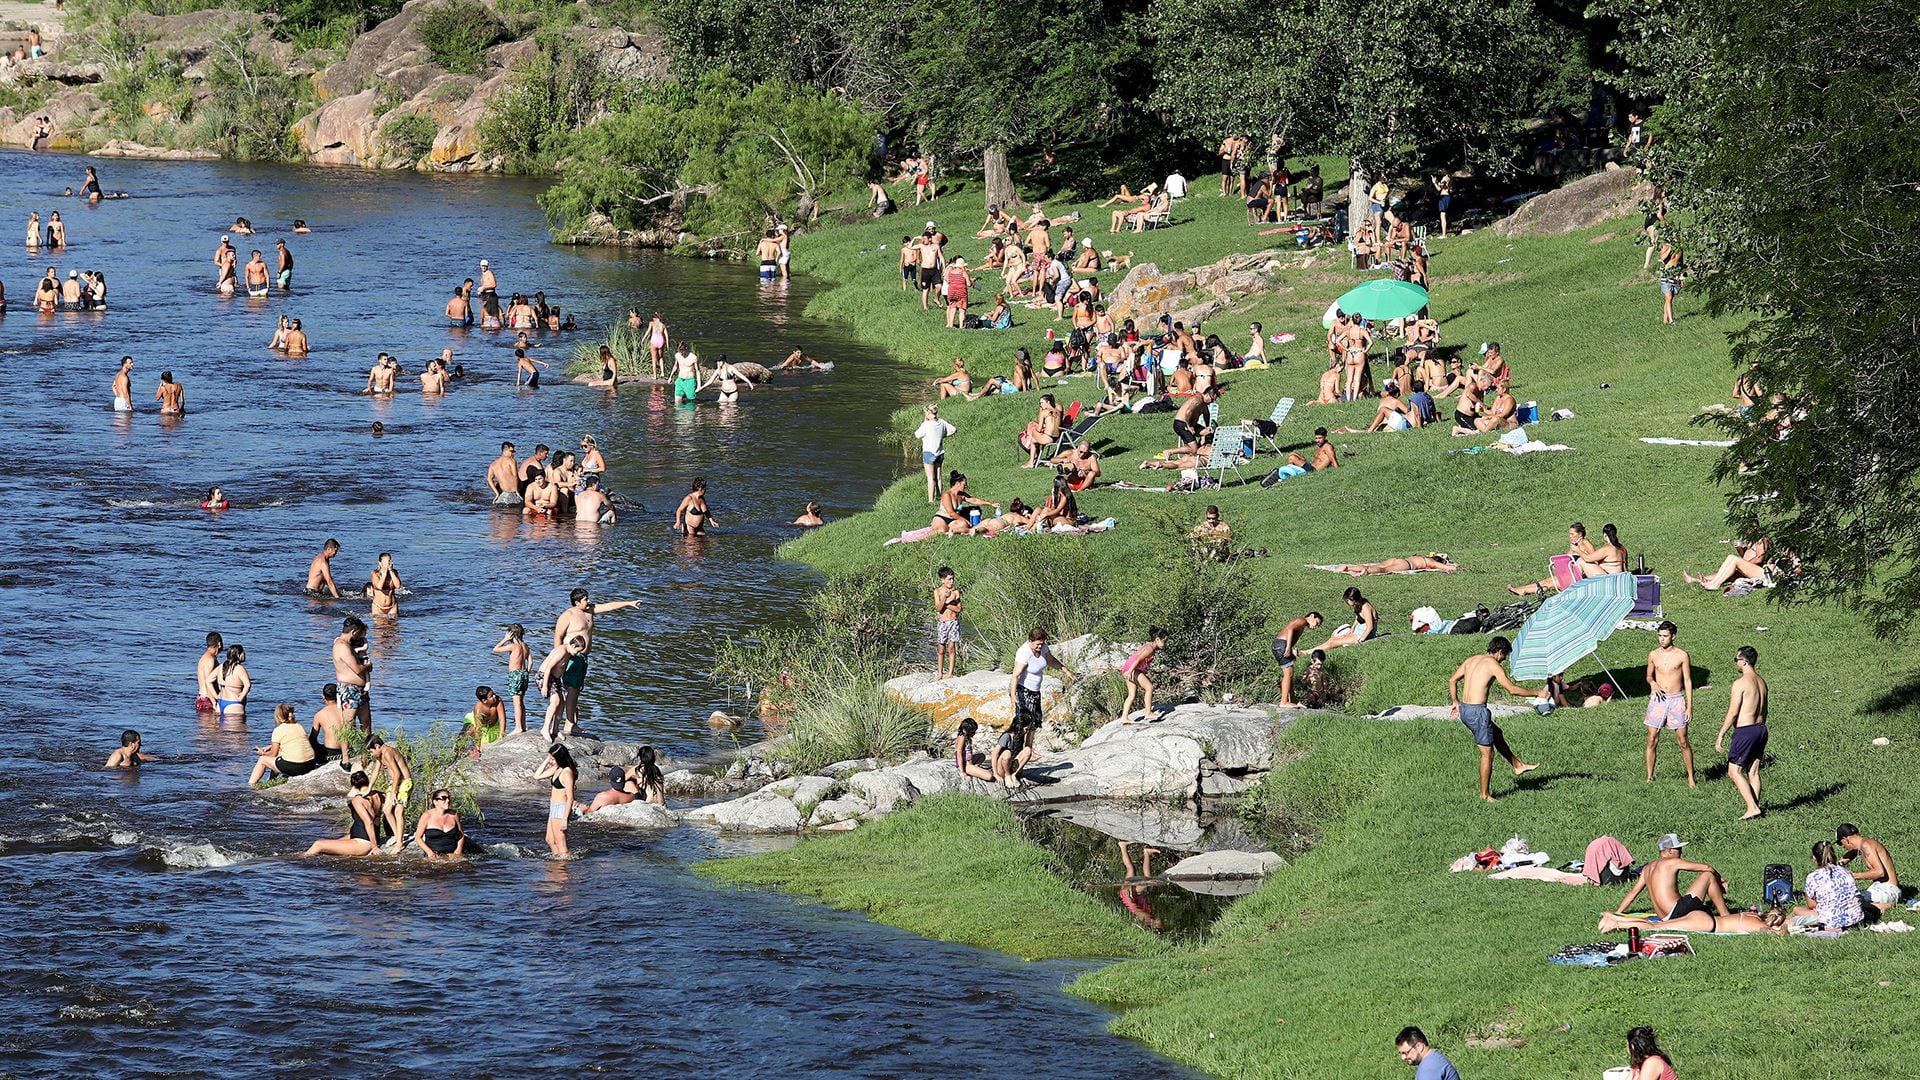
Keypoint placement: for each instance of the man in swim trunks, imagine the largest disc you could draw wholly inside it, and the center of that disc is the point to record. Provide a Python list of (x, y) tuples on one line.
[(171, 395), (768, 252), (459, 311), (382, 758), (946, 625), (285, 276), (487, 723), (503, 477), (577, 621), (225, 260), (686, 374), (329, 729), (352, 670), (380, 376), (488, 285), (799, 360), (1286, 650), (1660, 880), (203, 671), (1670, 705), (1467, 690), (590, 505), (927, 256), (320, 571), (256, 274), (123, 386), (1747, 715), (513, 643)]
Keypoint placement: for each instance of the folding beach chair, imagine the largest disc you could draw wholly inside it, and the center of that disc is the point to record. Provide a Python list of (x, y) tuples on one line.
[(1281, 410), (1073, 432), (1646, 598), (1565, 570), (1228, 451)]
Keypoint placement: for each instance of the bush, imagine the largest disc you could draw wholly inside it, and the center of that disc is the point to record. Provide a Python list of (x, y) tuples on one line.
[(410, 135), (1216, 615), (250, 106), (629, 352), (853, 719), (458, 34), (1057, 583), (548, 98)]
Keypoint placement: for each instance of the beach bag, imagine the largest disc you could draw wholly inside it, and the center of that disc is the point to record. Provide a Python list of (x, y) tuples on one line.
[(1776, 884), (971, 322)]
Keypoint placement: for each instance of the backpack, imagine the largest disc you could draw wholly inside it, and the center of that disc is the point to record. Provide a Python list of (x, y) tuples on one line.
[(1776, 884)]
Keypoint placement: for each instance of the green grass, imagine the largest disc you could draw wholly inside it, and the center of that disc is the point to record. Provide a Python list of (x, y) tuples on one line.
[(1312, 975), (954, 867)]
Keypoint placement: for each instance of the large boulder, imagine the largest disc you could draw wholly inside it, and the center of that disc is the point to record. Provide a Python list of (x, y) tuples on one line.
[(1088, 656), (1234, 738), (637, 815), (325, 782), (511, 762), (885, 789), (126, 148), (393, 44), (73, 112), (457, 147), (980, 696), (1191, 295), (1134, 768), (760, 812), (1588, 201), (343, 131), (1159, 825), (835, 811)]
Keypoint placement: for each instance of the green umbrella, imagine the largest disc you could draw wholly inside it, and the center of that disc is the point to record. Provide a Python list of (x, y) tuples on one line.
[(1571, 624), (1383, 299)]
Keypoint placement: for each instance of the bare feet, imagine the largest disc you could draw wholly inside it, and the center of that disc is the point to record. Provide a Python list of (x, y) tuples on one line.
[(1690, 579), (1522, 768), (1515, 591), (1488, 798), (1751, 814)]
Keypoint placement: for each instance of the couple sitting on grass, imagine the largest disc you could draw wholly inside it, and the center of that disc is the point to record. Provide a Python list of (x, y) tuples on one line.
[(1837, 899)]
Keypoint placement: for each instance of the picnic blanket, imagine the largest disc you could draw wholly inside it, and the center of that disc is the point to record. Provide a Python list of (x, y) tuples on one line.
[(1664, 441)]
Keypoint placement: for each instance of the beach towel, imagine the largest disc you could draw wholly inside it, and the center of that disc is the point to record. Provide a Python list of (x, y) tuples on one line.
[(1335, 568), (1605, 851), (1664, 441), (1540, 873)]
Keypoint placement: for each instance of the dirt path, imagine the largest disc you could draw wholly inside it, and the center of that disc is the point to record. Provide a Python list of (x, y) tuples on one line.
[(48, 18)]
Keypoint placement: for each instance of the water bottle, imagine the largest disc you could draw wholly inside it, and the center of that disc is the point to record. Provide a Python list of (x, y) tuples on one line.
[(1633, 939)]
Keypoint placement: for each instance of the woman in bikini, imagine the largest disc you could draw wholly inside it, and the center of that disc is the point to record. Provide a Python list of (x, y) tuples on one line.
[(1042, 431), (591, 463), (361, 824), (692, 516), (1773, 921), (559, 770), (1578, 546), (1059, 507), (1018, 515), (383, 586), (1750, 560), (729, 379), (231, 684), (958, 384), (1609, 558), (1437, 561), (1365, 625), (1134, 673), (951, 518), (490, 312)]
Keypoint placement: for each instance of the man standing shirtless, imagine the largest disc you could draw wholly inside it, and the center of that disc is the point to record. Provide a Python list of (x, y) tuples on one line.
[(686, 374), (946, 625), (225, 259), (1660, 880), (285, 275), (352, 670), (1670, 706), (503, 477), (329, 729), (1474, 679), (577, 621), (203, 671), (1747, 715), (123, 386), (256, 274), (320, 571), (1286, 650)]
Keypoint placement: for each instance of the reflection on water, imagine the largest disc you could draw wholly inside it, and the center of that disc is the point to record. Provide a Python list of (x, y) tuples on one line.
[(157, 923)]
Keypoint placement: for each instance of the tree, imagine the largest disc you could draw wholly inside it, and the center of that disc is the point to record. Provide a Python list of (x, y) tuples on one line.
[(976, 87), (1791, 161)]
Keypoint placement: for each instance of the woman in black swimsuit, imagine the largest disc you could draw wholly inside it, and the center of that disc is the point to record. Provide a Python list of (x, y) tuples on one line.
[(640, 781), (692, 516), (952, 515), (360, 824), (438, 835)]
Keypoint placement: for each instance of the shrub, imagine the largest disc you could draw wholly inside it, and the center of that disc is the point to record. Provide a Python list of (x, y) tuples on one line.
[(458, 33), (1216, 614), (853, 718), (548, 98), (250, 106), (629, 352), (1058, 583), (410, 135)]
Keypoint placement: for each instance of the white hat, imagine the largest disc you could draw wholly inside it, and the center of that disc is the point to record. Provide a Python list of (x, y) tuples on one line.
[(483, 262), (782, 227), (931, 225), (1086, 241), (225, 238), (73, 273), (1671, 842)]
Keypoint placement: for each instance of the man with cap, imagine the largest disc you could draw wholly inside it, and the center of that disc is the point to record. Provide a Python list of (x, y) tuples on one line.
[(1660, 879), (488, 286), (70, 292), (225, 261)]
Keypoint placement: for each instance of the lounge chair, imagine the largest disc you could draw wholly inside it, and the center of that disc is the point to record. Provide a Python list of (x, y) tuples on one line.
[(1646, 598), (1281, 410), (1073, 430), (1228, 452)]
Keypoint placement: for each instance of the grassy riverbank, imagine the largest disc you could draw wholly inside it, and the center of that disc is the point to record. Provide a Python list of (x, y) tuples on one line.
[(954, 867), (1312, 975)]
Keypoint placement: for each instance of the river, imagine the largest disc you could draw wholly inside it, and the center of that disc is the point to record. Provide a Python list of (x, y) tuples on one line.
[(154, 924)]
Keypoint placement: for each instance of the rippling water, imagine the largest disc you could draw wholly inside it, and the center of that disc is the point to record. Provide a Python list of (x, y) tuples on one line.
[(154, 926)]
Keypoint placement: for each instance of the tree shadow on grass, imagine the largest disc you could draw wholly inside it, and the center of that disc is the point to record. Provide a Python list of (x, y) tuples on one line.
[(1902, 698)]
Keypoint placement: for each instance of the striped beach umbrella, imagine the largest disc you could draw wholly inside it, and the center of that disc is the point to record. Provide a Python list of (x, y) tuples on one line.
[(1570, 624)]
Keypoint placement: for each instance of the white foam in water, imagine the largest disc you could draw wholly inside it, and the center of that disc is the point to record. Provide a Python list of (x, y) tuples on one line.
[(121, 838), (510, 851), (199, 856)]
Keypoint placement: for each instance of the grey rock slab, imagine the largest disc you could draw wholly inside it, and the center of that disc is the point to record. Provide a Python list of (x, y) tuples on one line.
[(1213, 865), (1166, 827), (638, 815), (760, 812)]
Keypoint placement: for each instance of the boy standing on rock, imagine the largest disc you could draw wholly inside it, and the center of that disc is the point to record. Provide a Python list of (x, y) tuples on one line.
[(946, 626)]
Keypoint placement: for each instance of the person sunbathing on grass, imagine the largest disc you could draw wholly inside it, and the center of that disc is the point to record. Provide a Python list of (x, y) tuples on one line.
[(1018, 515), (1660, 880), (1393, 414), (951, 518), (1439, 560), (958, 384), (1498, 413), (1749, 560), (1773, 921), (1128, 198)]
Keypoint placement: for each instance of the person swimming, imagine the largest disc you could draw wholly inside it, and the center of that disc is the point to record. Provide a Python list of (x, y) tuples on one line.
[(215, 501)]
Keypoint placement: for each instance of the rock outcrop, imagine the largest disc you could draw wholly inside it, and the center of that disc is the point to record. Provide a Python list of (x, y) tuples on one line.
[(1192, 296), (1225, 864), (1613, 192), (980, 696)]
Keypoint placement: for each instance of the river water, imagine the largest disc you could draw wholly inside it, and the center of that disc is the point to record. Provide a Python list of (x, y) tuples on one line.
[(154, 926)]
